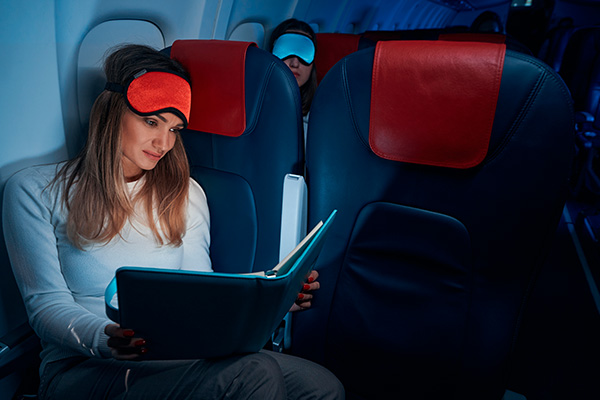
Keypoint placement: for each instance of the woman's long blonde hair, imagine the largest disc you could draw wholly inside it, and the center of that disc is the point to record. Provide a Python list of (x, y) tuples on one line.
[(94, 189)]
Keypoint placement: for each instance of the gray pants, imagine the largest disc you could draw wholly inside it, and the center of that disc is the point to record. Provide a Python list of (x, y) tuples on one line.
[(263, 376)]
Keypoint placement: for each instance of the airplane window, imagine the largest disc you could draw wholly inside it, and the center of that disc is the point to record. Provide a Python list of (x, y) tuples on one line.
[(94, 47)]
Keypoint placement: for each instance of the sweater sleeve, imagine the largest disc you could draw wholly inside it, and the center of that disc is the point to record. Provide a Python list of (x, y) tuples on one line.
[(29, 210), (196, 242)]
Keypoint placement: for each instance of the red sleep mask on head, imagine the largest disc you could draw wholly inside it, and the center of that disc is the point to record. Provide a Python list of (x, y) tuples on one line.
[(152, 92)]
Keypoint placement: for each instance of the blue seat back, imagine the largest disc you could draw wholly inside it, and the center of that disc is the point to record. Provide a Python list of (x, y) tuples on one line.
[(427, 268), (245, 135)]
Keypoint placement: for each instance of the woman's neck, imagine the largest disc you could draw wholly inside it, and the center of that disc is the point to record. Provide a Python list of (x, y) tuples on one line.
[(134, 177)]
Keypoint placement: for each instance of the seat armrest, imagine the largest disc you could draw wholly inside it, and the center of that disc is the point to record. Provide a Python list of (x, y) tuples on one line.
[(293, 213), (293, 229)]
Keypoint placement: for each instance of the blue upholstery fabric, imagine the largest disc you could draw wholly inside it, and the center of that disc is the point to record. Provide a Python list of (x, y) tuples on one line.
[(427, 269), (243, 176)]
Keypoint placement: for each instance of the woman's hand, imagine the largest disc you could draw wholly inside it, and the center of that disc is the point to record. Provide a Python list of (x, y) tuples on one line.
[(305, 296), (123, 345)]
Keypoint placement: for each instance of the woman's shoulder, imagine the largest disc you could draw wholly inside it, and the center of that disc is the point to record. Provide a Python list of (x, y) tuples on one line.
[(33, 177), (27, 187)]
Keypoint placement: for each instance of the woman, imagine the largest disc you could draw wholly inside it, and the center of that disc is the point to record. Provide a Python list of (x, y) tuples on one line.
[(127, 199), (295, 43)]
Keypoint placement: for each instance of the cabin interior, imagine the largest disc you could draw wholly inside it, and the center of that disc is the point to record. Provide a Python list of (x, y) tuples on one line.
[(51, 75)]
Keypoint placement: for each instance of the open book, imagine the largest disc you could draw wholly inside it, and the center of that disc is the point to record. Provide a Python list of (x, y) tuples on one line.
[(190, 314)]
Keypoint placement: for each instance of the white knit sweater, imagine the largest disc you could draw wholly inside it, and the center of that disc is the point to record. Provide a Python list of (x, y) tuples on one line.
[(62, 286)]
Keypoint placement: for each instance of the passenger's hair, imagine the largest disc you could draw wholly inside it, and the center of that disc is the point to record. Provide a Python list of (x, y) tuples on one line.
[(307, 91), (93, 183)]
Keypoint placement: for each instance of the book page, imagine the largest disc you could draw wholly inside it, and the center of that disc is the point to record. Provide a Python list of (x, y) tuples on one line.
[(303, 243)]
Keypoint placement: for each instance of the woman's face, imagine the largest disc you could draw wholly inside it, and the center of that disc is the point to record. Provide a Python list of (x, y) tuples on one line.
[(145, 140), (301, 71)]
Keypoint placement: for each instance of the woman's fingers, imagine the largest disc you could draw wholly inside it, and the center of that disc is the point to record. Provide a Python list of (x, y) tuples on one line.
[(304, 299), (311, 282), (123, 344)]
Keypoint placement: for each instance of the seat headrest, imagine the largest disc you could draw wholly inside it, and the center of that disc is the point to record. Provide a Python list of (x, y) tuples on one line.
[(217, 72), (433, 102), (331, 48)]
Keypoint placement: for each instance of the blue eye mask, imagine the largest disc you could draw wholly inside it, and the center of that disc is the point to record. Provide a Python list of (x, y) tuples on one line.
[(294, 44)]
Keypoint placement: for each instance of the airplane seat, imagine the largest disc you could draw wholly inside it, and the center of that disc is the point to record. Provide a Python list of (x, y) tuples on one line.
[(245, 135), (426, 149), (332, 47)]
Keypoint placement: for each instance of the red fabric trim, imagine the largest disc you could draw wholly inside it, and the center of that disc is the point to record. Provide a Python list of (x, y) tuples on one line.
[(331, 48), (433, 102), (474, 37), (217, 71)]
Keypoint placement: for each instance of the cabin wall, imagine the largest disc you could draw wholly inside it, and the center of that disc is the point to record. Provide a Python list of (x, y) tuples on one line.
[(30, 89), (31, 111)]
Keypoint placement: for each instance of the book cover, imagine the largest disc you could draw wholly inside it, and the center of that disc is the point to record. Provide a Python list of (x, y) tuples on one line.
[(189, 314)]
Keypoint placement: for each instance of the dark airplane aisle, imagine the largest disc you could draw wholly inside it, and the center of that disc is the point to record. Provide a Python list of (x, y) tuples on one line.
[(558, 351)]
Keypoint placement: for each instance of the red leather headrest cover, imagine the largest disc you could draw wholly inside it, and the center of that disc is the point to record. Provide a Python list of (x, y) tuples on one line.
[(433, 102), (331, 48), (217, 71)]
